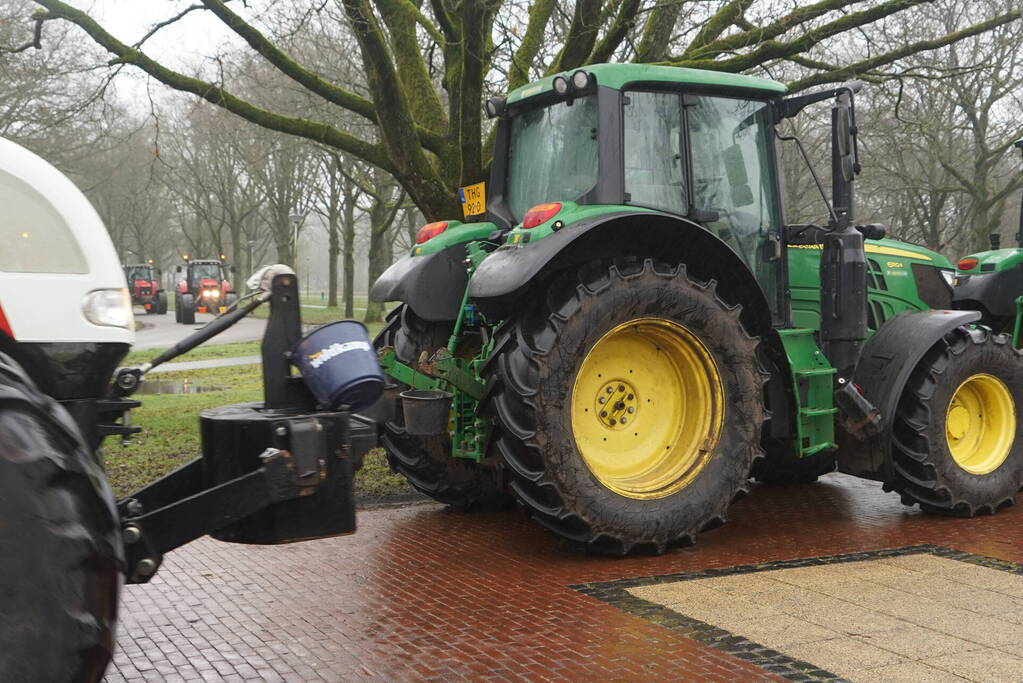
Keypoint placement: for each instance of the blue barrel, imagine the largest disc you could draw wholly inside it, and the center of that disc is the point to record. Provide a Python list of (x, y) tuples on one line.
[(339, 365)]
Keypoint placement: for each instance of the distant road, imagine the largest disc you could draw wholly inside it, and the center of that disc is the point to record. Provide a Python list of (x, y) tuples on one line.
[(160, 331)]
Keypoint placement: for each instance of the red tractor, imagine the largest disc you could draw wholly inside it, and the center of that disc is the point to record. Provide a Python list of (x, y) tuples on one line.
[(144, 287), (203, 288)]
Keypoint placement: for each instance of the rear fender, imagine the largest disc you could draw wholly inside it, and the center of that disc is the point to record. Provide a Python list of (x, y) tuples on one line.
[(887, 361), (432, 285), (503, 276)]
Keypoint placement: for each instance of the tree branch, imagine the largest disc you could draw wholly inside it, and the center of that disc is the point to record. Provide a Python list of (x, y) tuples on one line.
[(623, 23), (867, 65), (311, 130), (539, 15), (582, 35)]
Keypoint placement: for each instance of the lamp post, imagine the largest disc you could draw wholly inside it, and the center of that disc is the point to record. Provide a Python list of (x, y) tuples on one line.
[(296, 223)]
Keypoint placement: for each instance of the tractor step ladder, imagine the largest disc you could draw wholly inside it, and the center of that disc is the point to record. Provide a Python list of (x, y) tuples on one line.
[(813, 387)]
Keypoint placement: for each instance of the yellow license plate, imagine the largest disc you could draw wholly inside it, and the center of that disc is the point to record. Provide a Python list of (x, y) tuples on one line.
[(474, 200)]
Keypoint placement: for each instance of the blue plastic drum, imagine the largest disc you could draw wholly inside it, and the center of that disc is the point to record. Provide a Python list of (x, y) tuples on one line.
[(339, 365)]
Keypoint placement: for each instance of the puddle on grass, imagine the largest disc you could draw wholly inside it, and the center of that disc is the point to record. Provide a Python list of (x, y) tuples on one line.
[(173, 386)]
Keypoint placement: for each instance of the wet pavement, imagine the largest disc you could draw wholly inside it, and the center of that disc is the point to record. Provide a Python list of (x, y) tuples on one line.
[(423, 592)]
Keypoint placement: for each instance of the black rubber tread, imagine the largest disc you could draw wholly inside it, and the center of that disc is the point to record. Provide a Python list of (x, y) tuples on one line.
[(426, 461), (161, 303), (924, 471), (177, 308), (61, 557), (532, 371), (187, 304)]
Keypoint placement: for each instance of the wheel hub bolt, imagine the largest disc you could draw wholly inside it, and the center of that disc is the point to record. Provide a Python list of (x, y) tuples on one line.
[(621, 387), (631, 409), (603, 413), (609, 390), (619, 405), (623, 420), (601, 400)]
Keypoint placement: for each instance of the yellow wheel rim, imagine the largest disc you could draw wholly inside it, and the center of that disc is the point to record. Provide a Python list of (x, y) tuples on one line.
[(981, 424), (647, 408)]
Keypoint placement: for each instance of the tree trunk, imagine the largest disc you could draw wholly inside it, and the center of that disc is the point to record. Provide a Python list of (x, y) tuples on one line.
[(348, 248)]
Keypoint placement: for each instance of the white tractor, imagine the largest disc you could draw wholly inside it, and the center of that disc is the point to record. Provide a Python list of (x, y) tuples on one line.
[(269, 472)]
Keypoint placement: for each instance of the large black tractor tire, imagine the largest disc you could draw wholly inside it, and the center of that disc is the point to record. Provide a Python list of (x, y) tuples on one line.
[(426, 461), (177, 308), (60, 549), (642, 342), (161, 303), (187, 304), (957, 445)]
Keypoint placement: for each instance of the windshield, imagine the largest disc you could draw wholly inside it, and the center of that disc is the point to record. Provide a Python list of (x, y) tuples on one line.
[(139, 273), (552, 155), (205, 271)]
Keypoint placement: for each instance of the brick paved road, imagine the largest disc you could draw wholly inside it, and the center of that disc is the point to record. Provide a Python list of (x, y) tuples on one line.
[(424, 592)]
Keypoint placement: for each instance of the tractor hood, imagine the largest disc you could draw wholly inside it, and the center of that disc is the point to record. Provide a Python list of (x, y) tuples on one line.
[(990, 261), (57, 262)]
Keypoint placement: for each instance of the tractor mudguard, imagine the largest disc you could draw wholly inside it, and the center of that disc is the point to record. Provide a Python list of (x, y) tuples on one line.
[(513, 265), (431, 285), (888, 359)]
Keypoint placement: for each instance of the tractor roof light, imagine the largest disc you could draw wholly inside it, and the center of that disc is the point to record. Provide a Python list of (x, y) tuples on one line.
[(581, 79), (541, 213), (968, 263), (561, 85), (430, 230)]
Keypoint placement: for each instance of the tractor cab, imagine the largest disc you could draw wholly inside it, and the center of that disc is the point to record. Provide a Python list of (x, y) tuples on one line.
[(687, 143)]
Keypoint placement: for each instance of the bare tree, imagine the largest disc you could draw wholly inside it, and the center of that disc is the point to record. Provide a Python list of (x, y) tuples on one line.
[(427, 70)]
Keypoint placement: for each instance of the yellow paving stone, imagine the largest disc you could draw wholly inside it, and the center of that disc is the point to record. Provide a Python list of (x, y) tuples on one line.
[(989, 579), (982, 601), (746, 584), (843, 655), (849, 618), (908, 672), (923, 563), (981, 665), (916, 642), (779, 631), (679, 592), (880, 620)]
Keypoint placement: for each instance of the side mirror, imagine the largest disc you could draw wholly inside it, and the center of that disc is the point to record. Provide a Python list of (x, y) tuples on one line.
[(232, 270), (178, 269), (845, 142)]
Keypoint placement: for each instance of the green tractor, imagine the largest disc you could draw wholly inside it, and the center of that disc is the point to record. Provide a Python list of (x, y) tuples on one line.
[(628, 329), (992, 282)]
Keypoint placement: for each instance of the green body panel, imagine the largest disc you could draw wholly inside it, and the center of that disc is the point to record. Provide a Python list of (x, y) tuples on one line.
[(570, 213), (457, 233), (812, 386), (891, 287), (997, 260), (617, 76)]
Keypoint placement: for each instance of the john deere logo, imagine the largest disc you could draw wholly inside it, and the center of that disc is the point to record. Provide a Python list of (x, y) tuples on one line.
[(323, 355)]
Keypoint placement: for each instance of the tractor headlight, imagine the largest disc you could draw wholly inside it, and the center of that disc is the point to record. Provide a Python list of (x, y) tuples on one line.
[(108, 307), (560, 85), (950, 277)]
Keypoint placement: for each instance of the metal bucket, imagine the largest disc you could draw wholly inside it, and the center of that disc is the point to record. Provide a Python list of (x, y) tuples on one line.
[(427, 411), (339, 365)]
